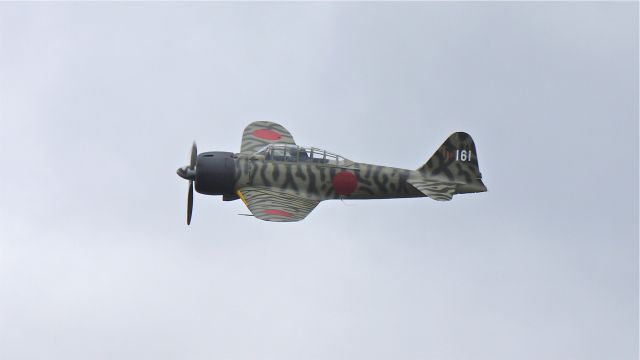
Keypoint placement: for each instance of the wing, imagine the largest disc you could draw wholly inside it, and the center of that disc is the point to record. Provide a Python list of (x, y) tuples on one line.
[(276, 205), (260, 133)]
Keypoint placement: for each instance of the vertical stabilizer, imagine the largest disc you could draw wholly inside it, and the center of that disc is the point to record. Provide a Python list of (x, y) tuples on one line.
[(452, 169)]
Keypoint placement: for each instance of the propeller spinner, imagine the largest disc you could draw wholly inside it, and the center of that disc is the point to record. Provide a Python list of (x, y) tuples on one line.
[(189, 173)]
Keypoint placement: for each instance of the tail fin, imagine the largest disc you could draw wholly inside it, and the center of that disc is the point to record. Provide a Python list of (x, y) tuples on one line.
[(452, 169)]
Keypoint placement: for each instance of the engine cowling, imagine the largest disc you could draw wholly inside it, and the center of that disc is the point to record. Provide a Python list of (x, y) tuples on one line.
[(215, 173)]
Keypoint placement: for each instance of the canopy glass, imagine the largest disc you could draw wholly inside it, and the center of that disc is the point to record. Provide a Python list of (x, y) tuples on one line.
[(295, 153)]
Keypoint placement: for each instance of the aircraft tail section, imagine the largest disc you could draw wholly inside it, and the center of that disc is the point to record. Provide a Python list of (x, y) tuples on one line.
[(452, 169)]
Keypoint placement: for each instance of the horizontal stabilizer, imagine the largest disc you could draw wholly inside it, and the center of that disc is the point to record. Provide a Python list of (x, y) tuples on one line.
[(434, 189)]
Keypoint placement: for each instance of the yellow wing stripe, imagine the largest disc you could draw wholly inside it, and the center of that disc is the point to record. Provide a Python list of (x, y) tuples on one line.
[(242, 198)]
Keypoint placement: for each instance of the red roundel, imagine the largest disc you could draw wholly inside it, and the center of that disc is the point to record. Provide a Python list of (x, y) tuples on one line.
[(266, 134), (277, 212), (344, 183)]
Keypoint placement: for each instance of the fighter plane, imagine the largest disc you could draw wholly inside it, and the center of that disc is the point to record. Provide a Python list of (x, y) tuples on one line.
[(281, 181)]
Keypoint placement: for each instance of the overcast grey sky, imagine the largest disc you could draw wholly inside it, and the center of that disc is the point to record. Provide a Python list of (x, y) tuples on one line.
[(99, 103)]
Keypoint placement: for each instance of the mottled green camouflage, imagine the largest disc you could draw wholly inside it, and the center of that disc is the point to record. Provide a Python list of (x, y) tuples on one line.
[(287, 191)]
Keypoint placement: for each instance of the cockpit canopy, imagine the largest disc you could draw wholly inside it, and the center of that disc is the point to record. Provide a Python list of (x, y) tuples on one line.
[(295, 153)]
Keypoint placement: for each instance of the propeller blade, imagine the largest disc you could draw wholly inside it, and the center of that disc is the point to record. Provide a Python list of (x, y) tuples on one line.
[(190, 203), (194, 155)]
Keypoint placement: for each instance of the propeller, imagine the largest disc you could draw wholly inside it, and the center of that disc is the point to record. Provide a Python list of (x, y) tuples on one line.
[(189, 173), (190, 203)]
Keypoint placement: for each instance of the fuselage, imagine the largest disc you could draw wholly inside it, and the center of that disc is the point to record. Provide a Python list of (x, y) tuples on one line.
[(324, 181)]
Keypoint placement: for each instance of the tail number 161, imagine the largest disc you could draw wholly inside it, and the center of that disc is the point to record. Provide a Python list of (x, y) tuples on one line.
[(463, 155)]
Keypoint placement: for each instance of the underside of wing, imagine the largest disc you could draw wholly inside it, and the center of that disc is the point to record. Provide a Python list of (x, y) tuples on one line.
[(276, 205), (261, 133)]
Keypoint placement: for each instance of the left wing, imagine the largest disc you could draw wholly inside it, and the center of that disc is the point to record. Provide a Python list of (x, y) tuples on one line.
[(276, 205), (260, 133)]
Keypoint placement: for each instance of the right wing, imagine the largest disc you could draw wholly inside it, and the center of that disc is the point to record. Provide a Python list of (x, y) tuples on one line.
[(276, 205), (261, 133)]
